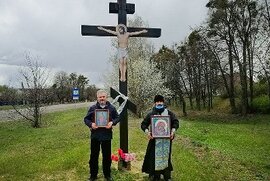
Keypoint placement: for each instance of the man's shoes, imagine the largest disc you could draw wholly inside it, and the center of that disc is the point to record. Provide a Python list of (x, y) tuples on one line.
[(92, 179), (108, 178)]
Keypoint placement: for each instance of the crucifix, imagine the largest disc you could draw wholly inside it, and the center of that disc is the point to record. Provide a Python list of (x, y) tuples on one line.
[(122, 9)]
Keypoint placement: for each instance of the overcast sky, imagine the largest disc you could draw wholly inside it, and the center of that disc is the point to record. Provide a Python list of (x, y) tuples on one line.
[(50, 29)]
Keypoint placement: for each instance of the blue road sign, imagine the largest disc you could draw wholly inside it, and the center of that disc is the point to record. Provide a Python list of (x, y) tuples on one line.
[(75, 93)]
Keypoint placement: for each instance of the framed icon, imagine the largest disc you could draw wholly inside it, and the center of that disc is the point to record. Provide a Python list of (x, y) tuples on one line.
[(101, 117), (161, 126)]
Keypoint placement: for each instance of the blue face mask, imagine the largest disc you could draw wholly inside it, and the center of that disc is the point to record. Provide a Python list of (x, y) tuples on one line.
[(159, 106)]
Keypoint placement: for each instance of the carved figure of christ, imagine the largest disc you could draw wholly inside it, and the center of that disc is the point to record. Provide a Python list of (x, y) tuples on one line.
[(122, 36)]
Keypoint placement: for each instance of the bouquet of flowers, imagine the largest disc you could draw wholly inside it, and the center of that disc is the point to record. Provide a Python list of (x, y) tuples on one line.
[(123, 156)]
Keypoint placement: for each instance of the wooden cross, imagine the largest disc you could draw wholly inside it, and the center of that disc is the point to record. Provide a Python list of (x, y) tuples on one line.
[(122, 9)]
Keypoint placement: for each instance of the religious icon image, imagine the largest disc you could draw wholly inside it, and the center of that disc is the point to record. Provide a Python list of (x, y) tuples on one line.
[(101, 117), (160, 126), (122, 36)]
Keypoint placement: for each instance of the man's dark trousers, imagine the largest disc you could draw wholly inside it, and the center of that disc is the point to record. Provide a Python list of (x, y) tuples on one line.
[(106, 157)]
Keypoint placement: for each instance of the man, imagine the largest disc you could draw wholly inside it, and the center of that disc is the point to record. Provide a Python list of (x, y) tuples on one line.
[(122, 35), (101, 136), (157, 159)]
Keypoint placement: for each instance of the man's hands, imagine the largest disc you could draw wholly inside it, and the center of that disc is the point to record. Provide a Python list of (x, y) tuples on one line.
[(109, 125), (94, 126), (172, 135), (149, 134)]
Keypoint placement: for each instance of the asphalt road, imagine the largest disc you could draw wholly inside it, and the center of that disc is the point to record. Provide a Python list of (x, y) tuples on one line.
[(11, 115)]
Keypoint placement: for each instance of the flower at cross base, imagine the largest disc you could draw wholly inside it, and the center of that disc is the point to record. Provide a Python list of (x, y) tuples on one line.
[(126, 156), (121, 154), (114, 158), (129, 157)]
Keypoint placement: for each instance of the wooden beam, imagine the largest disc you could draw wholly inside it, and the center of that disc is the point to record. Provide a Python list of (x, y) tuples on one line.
[(114, 8), (130, 105), (90, 30)]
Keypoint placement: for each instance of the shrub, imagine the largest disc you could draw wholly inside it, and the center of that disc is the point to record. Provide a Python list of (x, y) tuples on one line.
[(260, 89), (261, 104)]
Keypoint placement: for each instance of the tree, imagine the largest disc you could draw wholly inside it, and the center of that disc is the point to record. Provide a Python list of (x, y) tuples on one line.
[(61, 86), (262, 50), (5, 93), (90, 92), (245, 24), (199, 70), (81, 83), (64, 84), (221, 33), (33, 78), (170, 65), (236, 23)]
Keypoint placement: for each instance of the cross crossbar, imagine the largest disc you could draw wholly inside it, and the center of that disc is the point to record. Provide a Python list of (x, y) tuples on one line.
[(89, 30), (114, 8)]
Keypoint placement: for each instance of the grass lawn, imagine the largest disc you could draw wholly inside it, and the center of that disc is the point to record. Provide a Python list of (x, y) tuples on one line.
[(207, 147)]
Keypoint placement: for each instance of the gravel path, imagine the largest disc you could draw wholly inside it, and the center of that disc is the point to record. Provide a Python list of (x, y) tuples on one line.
[(5, 115)]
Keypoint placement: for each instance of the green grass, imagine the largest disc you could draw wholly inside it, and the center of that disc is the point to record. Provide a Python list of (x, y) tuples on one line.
[(237, 148), (207, 147)]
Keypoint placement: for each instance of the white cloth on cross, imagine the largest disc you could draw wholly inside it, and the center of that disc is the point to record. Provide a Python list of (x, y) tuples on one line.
[(121, 107)]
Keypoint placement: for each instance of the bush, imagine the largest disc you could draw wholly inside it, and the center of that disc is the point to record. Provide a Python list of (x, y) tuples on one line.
[(261, 104), (260, 89)]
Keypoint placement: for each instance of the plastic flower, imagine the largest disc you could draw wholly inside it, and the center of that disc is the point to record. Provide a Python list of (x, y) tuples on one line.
[(129, 157), (114, 158), (121, 153), (123, 156)]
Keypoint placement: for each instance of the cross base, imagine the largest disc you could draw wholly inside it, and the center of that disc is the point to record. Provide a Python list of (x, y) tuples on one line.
[(122, 165)]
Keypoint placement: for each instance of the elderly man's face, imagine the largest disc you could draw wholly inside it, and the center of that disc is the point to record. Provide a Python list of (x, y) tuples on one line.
[(102, 98)]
